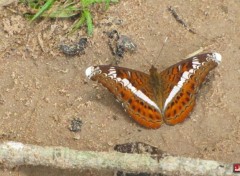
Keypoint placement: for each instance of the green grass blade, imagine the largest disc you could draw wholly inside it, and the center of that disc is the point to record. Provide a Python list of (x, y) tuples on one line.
[(87, 3), (78, 24), (64, 12), (88, 17), (45, 7), (107, 4), (66, 9)]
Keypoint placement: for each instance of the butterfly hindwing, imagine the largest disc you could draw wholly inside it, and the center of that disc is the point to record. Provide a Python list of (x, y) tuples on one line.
[(181, 83), (133, 89)]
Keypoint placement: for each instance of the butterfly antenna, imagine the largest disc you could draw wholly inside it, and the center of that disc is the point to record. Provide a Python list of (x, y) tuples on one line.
[(153, 63), (160, 52)]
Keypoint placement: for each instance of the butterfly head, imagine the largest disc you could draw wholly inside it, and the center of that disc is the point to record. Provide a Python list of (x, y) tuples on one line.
[(153, 70)]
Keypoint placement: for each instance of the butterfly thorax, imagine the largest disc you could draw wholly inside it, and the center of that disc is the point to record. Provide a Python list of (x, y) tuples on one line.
[(157, 85)]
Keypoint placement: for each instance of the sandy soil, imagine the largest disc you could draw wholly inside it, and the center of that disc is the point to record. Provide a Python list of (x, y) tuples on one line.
[(42, 90)]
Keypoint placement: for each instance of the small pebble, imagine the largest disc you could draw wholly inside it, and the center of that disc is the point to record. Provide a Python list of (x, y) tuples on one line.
[(76, 125)]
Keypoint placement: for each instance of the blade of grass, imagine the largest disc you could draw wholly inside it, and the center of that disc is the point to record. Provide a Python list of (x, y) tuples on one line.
[(63, 12), (70, 9), (107, 4), (78, 24), (45, 7), (87, 3), (88, 17)]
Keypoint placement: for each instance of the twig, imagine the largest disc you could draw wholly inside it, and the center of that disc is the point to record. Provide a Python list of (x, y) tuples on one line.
[(201, 49), (179, 20), (14, 154)]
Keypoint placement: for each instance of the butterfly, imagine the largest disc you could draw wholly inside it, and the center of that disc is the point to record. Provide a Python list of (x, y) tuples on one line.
[(156, 98)]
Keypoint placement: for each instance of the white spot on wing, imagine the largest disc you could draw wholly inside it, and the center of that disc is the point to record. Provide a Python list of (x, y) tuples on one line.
[(112, 76), (195, 63), (180, 67), (191, 71), (186, 75), (216, 57), (195, 67), (111, 69), (125, 82), (118, 79), (142, 96), (172, 94), (91, 71), (180, 83)]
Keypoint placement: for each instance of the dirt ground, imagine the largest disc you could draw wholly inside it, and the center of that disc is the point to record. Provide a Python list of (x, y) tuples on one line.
[(42, 90)]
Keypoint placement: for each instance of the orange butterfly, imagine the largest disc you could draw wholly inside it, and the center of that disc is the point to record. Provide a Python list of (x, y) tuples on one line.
[(151, 99)]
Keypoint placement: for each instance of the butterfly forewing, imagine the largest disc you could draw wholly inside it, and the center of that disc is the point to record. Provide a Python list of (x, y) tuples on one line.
[(181, 83), (133, 89)]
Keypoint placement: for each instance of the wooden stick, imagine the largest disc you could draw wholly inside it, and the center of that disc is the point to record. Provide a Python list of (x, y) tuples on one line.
[(14, 154)]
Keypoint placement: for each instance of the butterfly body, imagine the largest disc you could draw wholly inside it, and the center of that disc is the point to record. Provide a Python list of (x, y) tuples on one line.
[(157, 98)]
